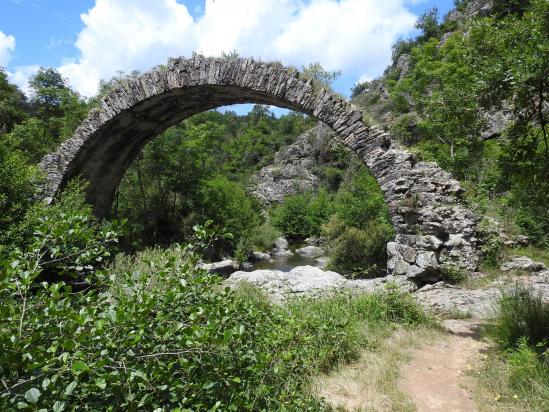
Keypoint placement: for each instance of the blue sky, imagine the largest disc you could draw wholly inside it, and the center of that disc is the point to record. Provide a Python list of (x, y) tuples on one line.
[(89, 40)]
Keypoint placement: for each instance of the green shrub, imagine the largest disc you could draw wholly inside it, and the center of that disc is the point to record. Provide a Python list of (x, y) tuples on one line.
[(302, 215), (492, 251), (264, 236), (65, 241), (231, 210), (521, 313), (360, 201), (360, 252), (334, 228), (17, 190)]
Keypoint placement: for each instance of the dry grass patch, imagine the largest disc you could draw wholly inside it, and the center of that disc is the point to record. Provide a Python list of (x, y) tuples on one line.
[(370, 383)]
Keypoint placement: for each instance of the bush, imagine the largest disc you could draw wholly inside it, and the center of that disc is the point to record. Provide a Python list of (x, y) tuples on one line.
[(231, 210), (360, 201), (17, 191), (64, 241), (264, 236), (302, 215), (360, 252), (454, 274)]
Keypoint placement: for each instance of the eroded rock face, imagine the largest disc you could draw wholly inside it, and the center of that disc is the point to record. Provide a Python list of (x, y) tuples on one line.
[(424, 201), (292, 170)]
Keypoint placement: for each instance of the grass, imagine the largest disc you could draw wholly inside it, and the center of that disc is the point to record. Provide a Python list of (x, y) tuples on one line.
[(535, 253), (520, 313), (493, 273), (512, 381), (363, 338), (370, 383), (515, 374)]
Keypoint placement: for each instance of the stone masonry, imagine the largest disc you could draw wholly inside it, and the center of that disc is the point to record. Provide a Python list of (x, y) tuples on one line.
[(434, 230)]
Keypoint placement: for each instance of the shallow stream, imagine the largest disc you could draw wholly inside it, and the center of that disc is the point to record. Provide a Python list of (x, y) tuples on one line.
[(287, 263)]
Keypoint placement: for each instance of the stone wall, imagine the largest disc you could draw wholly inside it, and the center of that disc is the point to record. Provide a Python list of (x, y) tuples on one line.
[(433, 228)]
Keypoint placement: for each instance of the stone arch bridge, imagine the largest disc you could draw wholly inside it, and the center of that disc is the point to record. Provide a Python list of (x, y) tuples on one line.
[(434, 231)]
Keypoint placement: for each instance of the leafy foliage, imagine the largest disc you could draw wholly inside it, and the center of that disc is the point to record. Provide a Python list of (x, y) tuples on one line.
[(157, 332), (445, 106), (302, 215), (181, 171)]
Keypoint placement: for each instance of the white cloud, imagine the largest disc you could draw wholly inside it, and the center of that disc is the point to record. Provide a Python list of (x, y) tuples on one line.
[(21, 76), (364, 78), (7, 47), (352, 35)]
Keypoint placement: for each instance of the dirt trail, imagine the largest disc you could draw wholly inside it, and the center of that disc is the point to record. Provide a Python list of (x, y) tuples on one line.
[(435, 378)]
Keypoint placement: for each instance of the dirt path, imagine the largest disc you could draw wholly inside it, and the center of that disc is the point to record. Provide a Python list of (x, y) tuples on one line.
[(435, 378)]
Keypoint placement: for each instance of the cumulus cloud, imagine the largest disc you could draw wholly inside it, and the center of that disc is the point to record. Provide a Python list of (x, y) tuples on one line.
[(21, 77), (7, 47), (350, 35)]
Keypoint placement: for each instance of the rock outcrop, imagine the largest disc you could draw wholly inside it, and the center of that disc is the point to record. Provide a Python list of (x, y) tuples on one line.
[(443, 298), (311, 281), (292, 169), (522, 263)]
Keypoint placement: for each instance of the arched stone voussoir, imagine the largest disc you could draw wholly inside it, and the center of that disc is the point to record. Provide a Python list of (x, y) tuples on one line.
[(137, 110)]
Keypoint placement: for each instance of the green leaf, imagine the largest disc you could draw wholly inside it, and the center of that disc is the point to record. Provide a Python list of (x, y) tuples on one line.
[(45, 383), (208, 385), (79, 366), (32, 395), (112, 315), (70, 388), (58, 406), (138, 374), (101, 383)]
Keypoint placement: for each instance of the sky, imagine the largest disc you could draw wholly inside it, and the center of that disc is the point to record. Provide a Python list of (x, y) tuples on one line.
[(90, 40)]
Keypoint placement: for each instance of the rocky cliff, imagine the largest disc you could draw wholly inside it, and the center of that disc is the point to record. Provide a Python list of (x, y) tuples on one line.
[(293, 169)]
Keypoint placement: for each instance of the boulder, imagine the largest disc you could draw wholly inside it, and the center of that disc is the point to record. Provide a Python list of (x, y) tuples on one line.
[(311, 251), (281, 243), (315, 241), (522, 263), (223, 268), (259, 256), (281, 248), (311, 281), (301, 280)]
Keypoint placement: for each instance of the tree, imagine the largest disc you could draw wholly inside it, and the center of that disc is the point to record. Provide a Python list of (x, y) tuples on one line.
[(47, 88), (428, 24), (17, 187), (316, 72), (13, 104), (56, 112)]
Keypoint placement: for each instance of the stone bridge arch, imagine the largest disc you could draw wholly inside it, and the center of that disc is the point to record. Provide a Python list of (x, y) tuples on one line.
[(433, 230)]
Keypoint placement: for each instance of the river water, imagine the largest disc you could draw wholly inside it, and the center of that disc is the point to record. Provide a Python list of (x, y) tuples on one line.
[(287, 263)]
